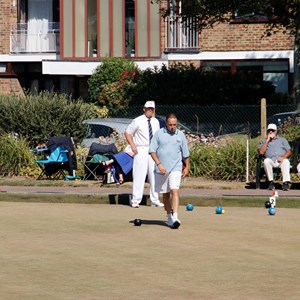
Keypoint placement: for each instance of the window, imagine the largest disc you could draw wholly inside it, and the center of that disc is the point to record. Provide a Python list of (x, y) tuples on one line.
[(92, 28), (129, 28), (114, 28), (275, 71)]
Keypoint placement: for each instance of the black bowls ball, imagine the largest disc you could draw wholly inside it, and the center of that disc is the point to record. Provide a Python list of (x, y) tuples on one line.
[(137, 222)]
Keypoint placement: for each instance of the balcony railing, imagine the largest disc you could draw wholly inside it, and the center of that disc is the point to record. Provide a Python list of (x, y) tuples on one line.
[(36, 36), (181, 34)]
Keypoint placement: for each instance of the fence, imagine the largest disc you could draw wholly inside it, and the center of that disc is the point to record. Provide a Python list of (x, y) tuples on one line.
[(218, 120)]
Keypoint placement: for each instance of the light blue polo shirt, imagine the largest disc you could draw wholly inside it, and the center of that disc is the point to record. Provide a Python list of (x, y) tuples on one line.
[(276, 147), (170, 149)]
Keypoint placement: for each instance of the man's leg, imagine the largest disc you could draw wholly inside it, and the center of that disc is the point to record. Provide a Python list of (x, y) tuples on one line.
[(268, 166), (175, 201), (167, 203), (173, 222), (285, 170), (139, 173), (174, 182), (154, 196)]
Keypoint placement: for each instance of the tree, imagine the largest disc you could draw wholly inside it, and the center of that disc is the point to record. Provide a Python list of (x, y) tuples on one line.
[(280, 14), (110, 71)]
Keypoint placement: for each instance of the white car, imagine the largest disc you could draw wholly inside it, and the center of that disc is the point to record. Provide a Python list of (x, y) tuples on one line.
[(105, 127)]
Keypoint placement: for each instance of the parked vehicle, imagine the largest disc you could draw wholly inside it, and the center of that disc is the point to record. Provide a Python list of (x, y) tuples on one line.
[(278, 119), (105, 127)]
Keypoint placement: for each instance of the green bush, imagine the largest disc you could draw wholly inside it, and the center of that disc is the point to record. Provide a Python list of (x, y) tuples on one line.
[(35, 118), (224, 159), (111, 70), (289, 130), (15, 158), (190, 85)]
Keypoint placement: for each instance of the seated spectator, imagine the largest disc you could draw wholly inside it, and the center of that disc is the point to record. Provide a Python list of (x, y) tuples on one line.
[(276, 150), (122, 163)]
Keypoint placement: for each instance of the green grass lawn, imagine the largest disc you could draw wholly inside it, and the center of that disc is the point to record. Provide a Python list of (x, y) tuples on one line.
[(79, 251)]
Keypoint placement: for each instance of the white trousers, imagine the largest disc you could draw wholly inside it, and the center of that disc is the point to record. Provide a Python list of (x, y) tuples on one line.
[(269, 164), (143, 165)]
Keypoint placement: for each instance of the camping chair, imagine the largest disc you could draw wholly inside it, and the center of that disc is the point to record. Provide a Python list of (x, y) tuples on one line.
[(52, 167), (93, 165), (66, 143), (59, 158)]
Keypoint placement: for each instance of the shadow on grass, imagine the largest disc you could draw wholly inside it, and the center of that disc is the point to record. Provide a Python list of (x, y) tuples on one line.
[(123, 199), (278, 185), (151, 222)]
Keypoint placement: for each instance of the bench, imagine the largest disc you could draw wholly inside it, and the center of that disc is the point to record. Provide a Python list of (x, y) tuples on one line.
[(260, 172)]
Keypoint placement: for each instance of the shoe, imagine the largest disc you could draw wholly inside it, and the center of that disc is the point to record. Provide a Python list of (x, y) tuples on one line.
[(170, 221), (271, 186), (285, 186), (135, 204), (173, 222), (157, 203), (176, 223)]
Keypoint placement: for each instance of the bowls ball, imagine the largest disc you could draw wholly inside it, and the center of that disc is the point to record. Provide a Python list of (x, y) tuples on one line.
[(189, 207), (137, 222), (267, 204), (272, 211), (219, 210)]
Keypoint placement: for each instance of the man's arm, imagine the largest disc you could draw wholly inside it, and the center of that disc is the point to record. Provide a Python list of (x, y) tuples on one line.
[(262, 150), (160, 167), (186, 170), (130, 141), (287, 154)]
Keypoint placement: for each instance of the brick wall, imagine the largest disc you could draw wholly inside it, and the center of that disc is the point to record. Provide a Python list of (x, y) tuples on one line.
[(10, 86), (243, 37), (8, 16)]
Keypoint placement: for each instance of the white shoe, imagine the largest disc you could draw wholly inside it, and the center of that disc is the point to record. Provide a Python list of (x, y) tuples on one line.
[(170, 221), (157, 203), (173, 222), (135, 204), (176, 223)]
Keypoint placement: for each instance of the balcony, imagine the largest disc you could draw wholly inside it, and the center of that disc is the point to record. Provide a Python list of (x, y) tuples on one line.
[(36, 36), (181, 34)]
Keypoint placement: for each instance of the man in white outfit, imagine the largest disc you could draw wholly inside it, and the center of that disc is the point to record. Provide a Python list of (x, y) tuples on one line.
[(138, 134)]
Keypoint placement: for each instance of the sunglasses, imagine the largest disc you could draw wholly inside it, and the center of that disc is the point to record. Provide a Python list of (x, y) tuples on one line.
[(271, 130)]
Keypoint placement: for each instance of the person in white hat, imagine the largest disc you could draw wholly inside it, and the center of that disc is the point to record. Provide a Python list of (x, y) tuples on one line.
[(139, 134), (277, 151)]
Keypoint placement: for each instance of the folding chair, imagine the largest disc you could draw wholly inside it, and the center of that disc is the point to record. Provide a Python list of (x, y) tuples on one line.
[(93, 165), (59, 157), (66, 143), (53, 167)]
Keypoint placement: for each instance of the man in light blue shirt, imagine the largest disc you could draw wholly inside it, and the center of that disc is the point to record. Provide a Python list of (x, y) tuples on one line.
[(168, 149), (277, 151)]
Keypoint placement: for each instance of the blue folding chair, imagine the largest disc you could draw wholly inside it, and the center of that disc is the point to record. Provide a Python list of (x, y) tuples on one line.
[(54, 165)]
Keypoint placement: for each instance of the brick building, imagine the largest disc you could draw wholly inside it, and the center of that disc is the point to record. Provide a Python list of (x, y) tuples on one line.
[(56, 45)]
